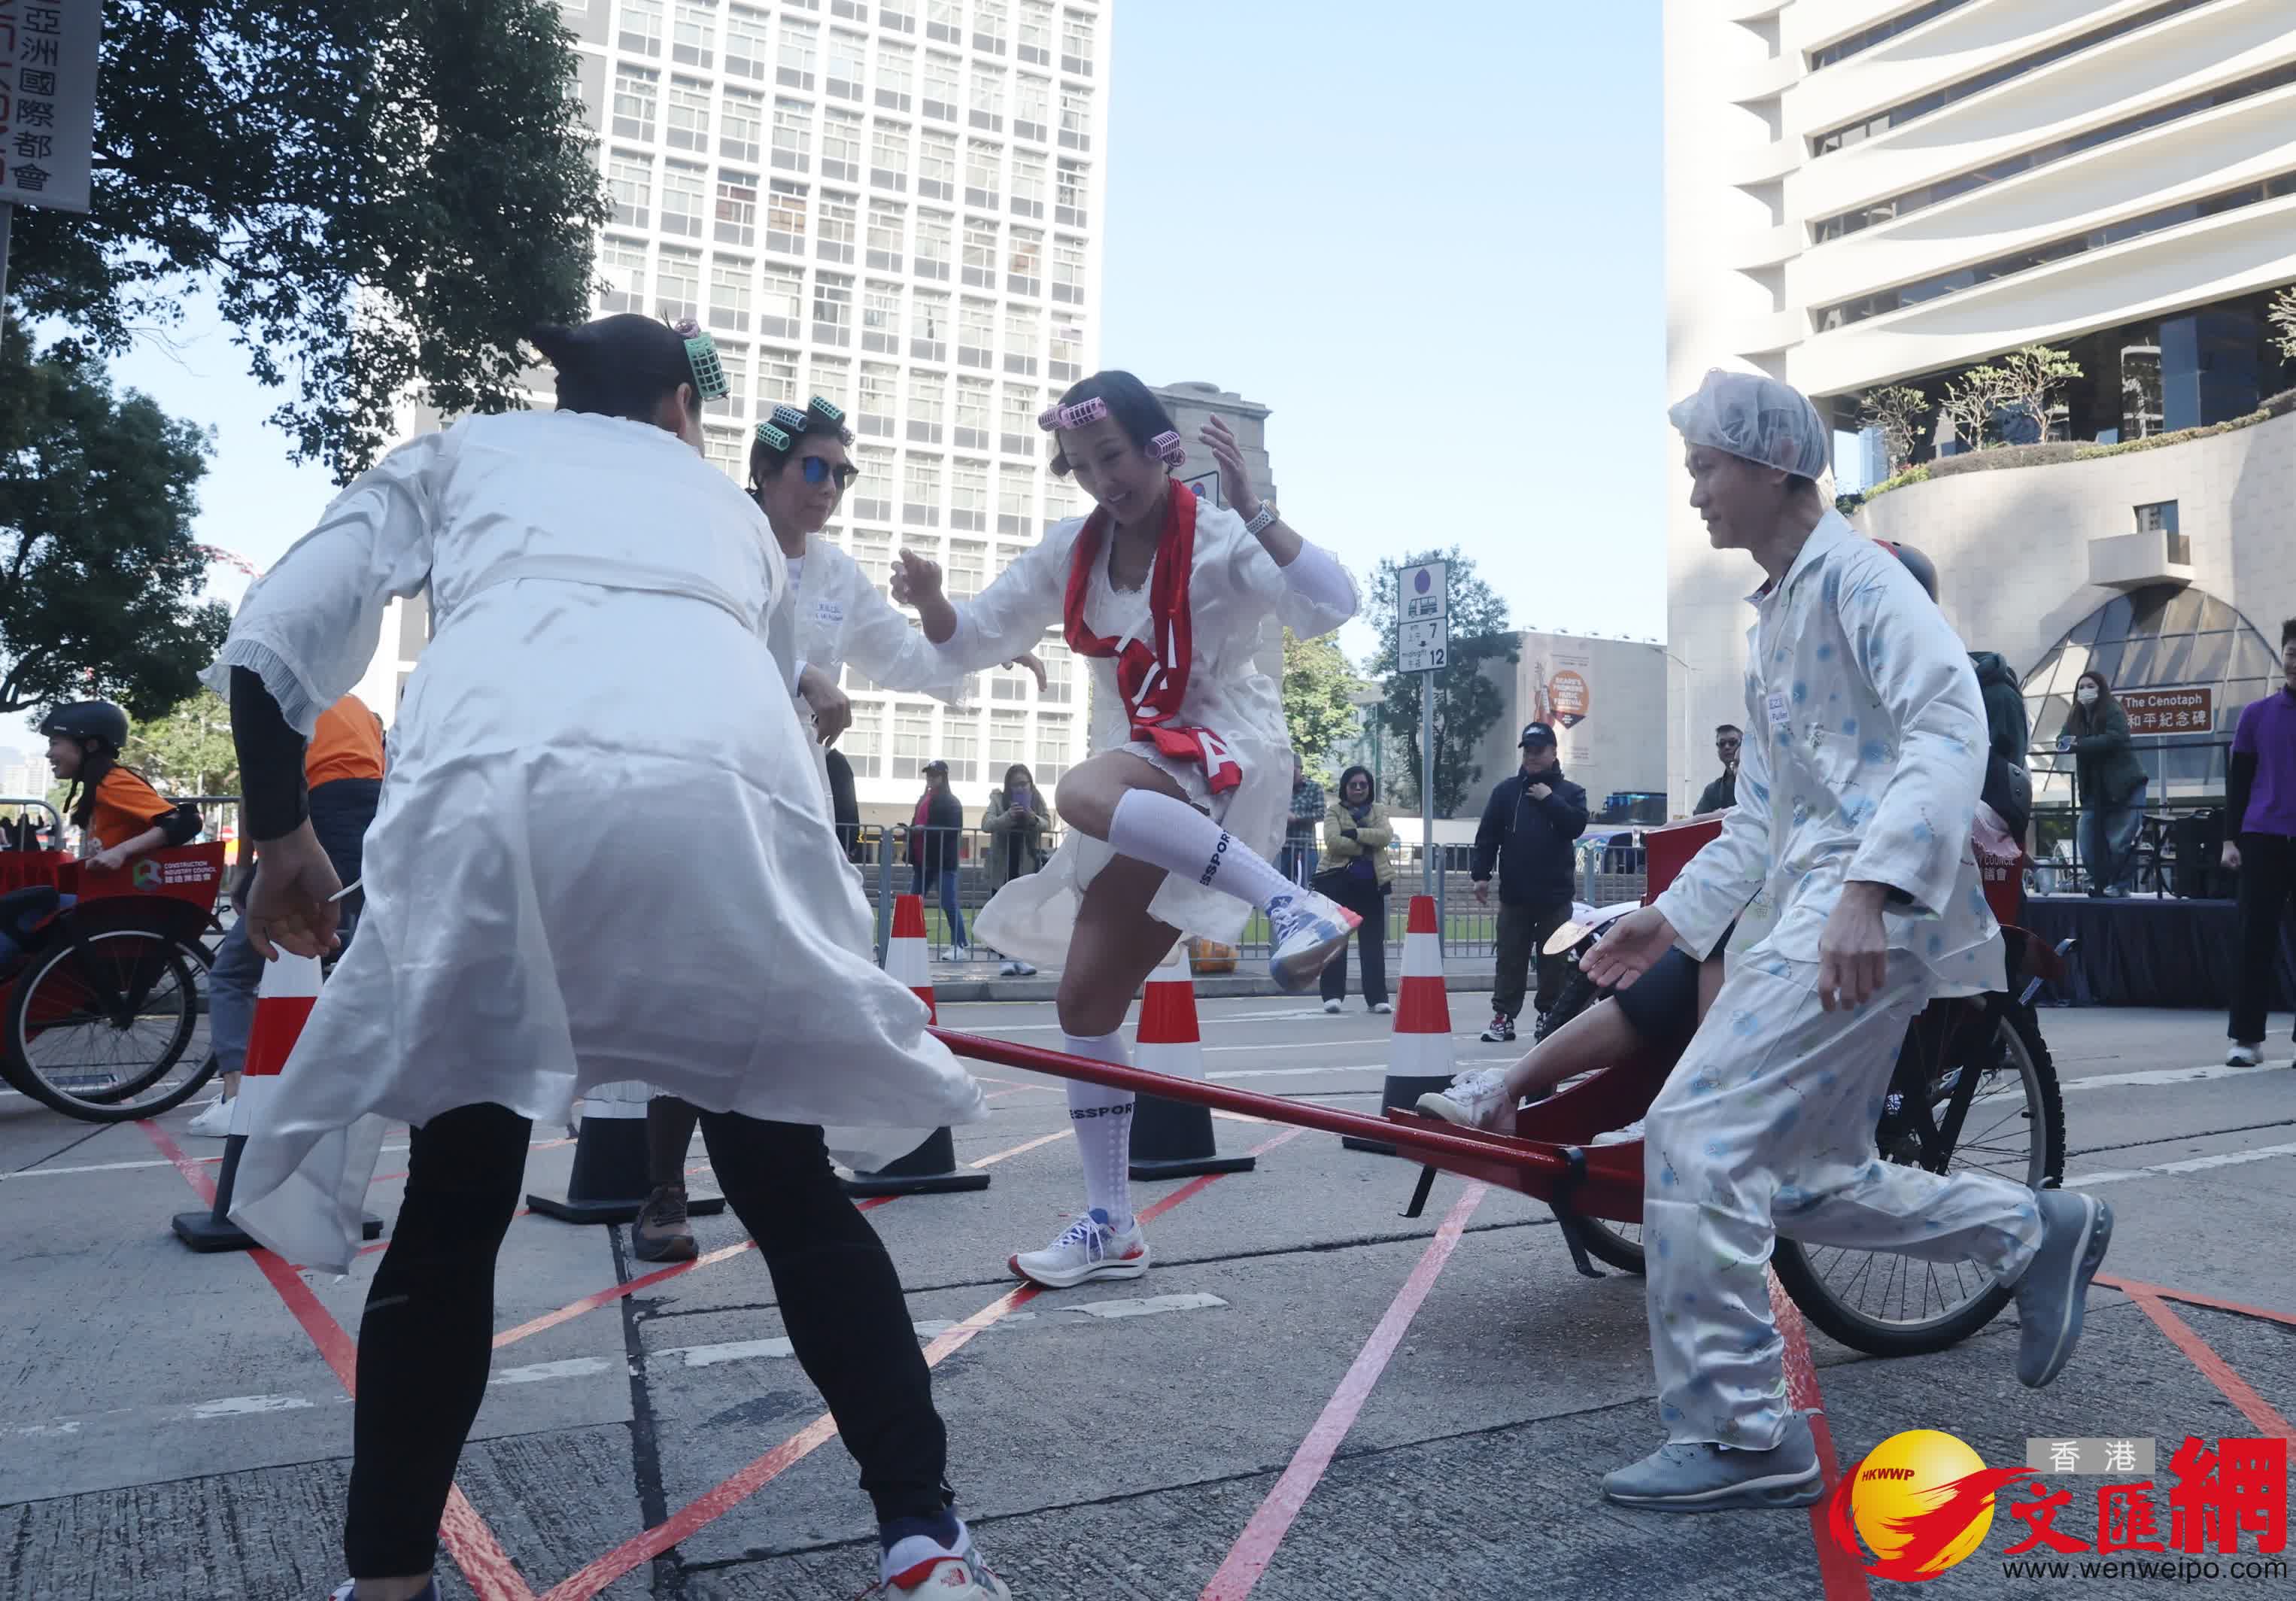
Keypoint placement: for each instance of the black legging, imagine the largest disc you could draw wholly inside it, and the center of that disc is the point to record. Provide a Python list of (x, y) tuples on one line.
[(426, 1340)]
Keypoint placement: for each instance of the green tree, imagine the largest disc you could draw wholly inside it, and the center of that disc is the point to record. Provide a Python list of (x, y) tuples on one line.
[(1466, 702), (2281, 315), (190, 751), (2030, 379), (384, 196), (100, 581), (1896, 410), (1316, 683), (1971, 404)]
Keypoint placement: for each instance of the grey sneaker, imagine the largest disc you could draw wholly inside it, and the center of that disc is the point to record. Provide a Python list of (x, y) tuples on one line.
[(661, 1233), (1712, 1478), (2075, 1230)]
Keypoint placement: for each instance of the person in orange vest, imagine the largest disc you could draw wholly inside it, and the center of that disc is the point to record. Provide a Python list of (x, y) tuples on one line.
[(343, 767), (119, 813)]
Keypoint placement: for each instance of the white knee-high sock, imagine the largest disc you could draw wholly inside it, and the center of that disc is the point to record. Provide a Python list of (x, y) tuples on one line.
[(1103, 1121), (1173, 835)]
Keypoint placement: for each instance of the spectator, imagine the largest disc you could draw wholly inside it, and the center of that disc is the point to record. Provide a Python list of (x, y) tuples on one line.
[(1722, 794), (2008, 781), (1527, 829), (844, 804), (2111, 783), (1356, 833), (1307, 809), (2260, 810), (1018, 814), (935, 852)]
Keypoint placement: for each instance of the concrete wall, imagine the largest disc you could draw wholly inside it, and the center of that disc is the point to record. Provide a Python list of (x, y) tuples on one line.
[(1624, 741)]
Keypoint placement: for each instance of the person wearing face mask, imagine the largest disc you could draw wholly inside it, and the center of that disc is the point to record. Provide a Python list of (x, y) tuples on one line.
[(2112, 782), (1360, 874), (1015, 822)]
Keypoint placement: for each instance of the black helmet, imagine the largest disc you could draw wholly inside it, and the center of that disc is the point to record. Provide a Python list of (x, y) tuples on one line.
[(98, 721), (1924, 569)]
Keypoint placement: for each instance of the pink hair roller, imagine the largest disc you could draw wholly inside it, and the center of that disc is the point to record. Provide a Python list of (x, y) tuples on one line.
[(1168, 449), (1084, 414)]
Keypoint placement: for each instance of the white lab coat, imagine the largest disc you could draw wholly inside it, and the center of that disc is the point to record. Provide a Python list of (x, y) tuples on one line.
[(602, 852), (1234, 587), (839, 615)]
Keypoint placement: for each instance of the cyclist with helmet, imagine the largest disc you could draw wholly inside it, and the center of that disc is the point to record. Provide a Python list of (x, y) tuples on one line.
[(120, 817)]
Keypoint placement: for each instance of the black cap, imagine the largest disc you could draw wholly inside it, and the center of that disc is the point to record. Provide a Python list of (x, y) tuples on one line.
[(1536, 734), (936, 765)]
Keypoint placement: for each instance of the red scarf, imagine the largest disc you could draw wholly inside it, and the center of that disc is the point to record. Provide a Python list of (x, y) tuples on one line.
[(1152, 675)]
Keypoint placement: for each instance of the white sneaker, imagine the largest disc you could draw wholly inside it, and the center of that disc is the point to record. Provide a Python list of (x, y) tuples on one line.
[(2245, 1055), (1087, 1249), (214, 1123), (921, 1564), (1307, 931), (1382, 1008), (1626, 1136), (1331, 1008), (1476, 1100)]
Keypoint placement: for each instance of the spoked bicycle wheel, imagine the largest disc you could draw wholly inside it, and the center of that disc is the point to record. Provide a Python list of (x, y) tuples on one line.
[(1986, 1102), (101, 1027)]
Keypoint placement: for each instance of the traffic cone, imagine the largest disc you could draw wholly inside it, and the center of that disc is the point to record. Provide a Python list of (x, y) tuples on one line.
[(283, 998), (930, 1169), (609, 1183), (1171, 1139), (1419, 1054)]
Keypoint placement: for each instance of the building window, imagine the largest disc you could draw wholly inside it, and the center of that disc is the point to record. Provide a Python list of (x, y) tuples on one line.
[(1024, 268), (960, 746), (1075, 118), (1052, 749), (689, 115), (785, 210), (1021, 341), (833, 380), (874, 498), (729, 294), (913, 741), (921, 497), (1063, 501), (1064, 357), (636, 90), (900, 15), (1035, 39), (945, 21), (745, 44), (1027, 185), (873, 551), (889, 157), (839, 224), (1076, 44), (1866, 38), (781, 308), (988, 105), (1068, 270), (928, 326), (984, 173), (968, 559), (1060, 671), (841, 146), (895, 71), (833, 310), (737, 208), (692, 40), (2160, 517), (623, 266), (641, 31), (1071, 199), (801, 53), (974, 399), (976, 333), (967, 496), (845, 59), (879, 398), (928, 399), (936, 244), (937, 166), (1016, 500), (1008, 732), (864, 743), (792, 135), (776, 379), (1032, 109), (1020, 430), (980, 254), (741, 127), (722, 447), (939, 87), (736, 363), (887, 224), (682, 195), (630, 180), (677, 285), (881, 318), (988, 25)]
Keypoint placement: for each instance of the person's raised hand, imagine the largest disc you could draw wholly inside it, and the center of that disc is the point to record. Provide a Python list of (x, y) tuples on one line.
[(1235, 477), (917, 580)]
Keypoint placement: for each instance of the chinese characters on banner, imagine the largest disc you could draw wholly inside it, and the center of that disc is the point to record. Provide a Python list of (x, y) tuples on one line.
[(2223, 1499), (2170, 710), (47, 100)]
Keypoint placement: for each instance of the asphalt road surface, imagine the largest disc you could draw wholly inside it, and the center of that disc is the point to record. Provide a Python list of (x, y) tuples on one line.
[(1309, 1396)]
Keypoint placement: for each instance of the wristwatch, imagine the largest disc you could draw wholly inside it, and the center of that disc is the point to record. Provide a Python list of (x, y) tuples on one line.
[(1266, 516)]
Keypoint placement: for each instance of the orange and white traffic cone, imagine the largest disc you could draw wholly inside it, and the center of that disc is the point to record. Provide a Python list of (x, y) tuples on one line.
[(1420, 1058), (283, 998), (931, 1168), (1171, 1139)]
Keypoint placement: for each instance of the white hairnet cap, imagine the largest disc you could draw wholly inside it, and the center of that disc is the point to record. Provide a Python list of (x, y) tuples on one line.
[(1759, 418)]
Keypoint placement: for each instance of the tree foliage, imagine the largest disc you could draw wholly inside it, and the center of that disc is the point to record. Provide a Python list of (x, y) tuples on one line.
[(99, 581), (2021, 386), (1317, 681), (1466, 702), (1898, 411), (385, 196), (2281, 315), (190, 751), (2032, 378)]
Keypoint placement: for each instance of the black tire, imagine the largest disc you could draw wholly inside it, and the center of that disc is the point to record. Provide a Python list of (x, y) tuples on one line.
[(1619, 1244), (83, 999), (1821, 1278)]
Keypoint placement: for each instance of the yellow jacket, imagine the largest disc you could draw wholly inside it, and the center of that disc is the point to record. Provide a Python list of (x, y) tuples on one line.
[(1345, 839)]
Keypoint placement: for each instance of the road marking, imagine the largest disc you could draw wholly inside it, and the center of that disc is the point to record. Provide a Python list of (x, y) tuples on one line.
[(2213, 1367), (2191, 1164), (118, 1167), (2152, 1077)]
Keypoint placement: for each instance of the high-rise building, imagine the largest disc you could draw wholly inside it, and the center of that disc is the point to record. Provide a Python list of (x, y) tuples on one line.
[(1866, 193), (897, 205)]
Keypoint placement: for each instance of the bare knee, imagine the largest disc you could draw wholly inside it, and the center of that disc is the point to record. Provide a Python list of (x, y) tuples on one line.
[(1085, 800), (1089, 1010)]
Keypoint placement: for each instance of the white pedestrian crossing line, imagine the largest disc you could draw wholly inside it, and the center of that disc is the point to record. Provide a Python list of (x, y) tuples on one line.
[(2190, 1164)]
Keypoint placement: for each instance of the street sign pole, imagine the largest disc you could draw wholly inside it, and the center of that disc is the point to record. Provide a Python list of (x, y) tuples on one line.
[(1427, 778), (1422, 645)]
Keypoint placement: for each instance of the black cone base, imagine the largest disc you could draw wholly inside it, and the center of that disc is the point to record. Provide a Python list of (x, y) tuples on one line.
[(930, 1169), (1398, 1092), (213, 1229), (608, 1182), (1171, 1139)]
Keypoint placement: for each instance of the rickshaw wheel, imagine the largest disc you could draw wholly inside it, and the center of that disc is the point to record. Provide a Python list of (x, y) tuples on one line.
[(98, 1027)]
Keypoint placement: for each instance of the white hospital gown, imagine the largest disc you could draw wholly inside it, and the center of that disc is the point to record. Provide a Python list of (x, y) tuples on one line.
[(1234, 589), (602, 852), (838, 616), (1863, 757)]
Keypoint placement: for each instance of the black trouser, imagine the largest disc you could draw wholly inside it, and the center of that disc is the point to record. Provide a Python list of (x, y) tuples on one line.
[(1360, 896), (2267, 880), (426, 1341), (1522, 931)]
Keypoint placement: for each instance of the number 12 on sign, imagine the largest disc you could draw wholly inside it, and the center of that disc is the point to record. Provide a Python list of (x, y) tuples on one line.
[(1422, 647)]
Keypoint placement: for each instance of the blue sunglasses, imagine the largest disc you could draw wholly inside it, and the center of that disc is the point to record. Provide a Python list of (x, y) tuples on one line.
[(818, 471)]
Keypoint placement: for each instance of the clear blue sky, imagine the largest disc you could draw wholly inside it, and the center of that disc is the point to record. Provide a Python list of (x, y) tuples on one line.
[(1429, 240)]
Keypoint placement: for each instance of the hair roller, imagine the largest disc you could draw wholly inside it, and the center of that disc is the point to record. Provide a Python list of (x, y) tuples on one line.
[(787, 417), (701, 355), (1084, 414), (830, 413), (1166, 447), (773, 436)]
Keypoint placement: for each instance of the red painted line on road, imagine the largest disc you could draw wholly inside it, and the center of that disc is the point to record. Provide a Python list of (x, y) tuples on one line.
[(1255, 1547), (2135, 1286), (2213, 1367), (1843, 1578), (715, 1503), (491, 1573)]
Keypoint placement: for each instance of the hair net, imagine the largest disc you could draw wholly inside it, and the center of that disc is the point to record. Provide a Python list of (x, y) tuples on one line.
[(1759, 418)]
